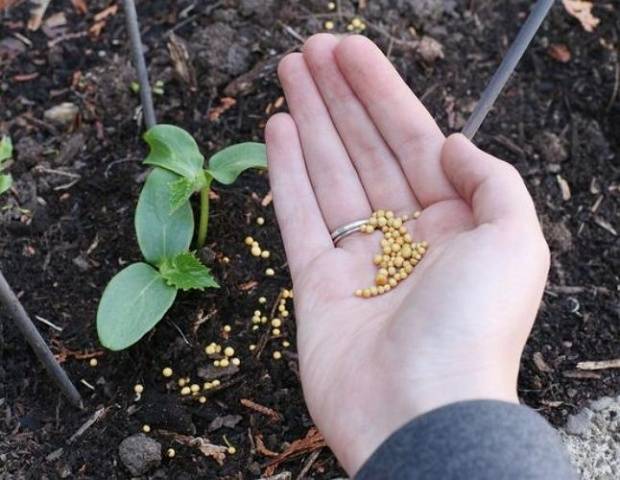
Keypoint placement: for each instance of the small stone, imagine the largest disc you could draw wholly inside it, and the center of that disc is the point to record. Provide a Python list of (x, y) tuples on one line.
[(601, 404), (579, 423), (430, 49), (140, 454), (62, 114)]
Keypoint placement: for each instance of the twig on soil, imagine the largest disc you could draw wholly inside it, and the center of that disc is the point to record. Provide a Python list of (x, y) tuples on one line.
[(311, 442), (599, 365), (262, 448), (94, 418), (614, 93), (48, 323), (292, 32), (178, 329), (308, 465), (85, 383), (269, 412), (64, 352), (33, 337), (56, 172), (65, 37), (505, 69), (137, 51)]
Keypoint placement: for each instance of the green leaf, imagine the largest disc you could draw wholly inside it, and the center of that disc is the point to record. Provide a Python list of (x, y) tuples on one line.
[(6, 149), (226, 165), (162, 233), (180, 191), (185, 272), (174, 149), (5, 183), (134, 302)]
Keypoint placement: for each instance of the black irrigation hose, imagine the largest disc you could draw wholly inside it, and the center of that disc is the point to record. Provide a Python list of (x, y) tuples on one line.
[(510, 61), (41, 350), (133, 28)]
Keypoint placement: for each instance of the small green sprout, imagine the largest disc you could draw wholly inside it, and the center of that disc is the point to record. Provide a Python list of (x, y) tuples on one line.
[(138, 297), (6, 152), (158, 88)]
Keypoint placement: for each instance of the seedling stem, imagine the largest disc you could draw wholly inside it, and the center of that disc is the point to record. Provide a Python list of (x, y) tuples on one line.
[(204, 213)]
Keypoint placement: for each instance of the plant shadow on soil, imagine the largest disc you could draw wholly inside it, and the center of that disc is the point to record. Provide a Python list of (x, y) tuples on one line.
[(60, 244)]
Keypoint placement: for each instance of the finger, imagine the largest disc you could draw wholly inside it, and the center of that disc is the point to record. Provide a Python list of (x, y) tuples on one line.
[(301, 224), (404, 123), (337, 187), (382, 177), (493, 188)]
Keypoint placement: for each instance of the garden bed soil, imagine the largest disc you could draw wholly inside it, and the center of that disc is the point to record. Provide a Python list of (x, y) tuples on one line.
[(67, 226)]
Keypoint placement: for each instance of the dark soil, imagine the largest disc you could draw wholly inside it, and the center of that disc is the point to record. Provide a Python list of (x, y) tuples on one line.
[(64, 235)]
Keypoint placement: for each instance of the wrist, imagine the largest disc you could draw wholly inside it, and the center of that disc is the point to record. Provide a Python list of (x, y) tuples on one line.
[(415, 396)]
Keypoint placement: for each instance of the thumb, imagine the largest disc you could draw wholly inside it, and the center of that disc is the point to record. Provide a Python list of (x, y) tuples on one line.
[(491, 187)]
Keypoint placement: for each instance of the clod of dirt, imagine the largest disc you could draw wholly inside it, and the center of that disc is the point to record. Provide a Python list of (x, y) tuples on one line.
[(29, 152), (140, 453), (221, 53), (247, 8), (591, 437), (70, 149), (426, 10), (108, 87), (558, 235), (551, 147), (228, 421)]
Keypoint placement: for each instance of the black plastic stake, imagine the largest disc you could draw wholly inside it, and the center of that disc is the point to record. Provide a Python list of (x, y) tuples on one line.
[(41, 350), (137, 51), (509, 63)]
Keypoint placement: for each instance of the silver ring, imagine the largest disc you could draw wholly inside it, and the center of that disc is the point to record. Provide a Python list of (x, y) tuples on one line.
[(346, 230)]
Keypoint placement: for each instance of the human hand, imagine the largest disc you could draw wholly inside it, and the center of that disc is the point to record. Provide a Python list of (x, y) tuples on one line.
[(358, 140)]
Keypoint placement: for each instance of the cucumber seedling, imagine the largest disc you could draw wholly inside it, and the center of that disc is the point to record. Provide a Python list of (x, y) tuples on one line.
[(137, 298)]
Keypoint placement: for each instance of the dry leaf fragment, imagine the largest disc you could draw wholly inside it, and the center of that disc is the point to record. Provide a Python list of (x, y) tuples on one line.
[(257, 407), (96, 29), (37, 14), (540, 363), (80, 6), (250, 285), (312, 441), (599, 365), (226, 103), (605, 225), (579, 375), (262, 449), (106, 12), (559, 52), (582, 11), (430, 49), (181, 60), (5, 4), (267, 200), (217, 452), (564, 187)]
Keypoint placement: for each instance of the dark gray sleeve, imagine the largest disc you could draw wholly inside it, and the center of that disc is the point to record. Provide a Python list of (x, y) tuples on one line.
[(475, 440)]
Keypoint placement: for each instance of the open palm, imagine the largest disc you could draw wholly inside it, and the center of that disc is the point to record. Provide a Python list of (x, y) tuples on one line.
[(358, 140)]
